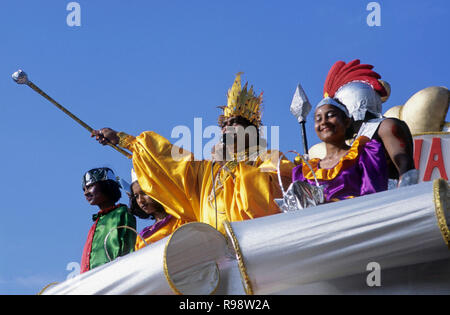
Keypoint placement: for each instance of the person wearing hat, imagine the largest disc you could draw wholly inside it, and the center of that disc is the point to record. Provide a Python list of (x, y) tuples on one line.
[(360, 89), (145, 207), (240, 187), (345, 171), (112, 223)]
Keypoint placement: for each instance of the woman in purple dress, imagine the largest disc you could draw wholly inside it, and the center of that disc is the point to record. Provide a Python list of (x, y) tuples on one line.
[(346, 171)]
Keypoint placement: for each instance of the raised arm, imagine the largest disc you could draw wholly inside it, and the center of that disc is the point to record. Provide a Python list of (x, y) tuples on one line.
[(165, 172)]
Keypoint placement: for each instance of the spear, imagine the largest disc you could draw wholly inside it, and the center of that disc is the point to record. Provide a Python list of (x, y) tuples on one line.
[(300, 108), (20, 77)]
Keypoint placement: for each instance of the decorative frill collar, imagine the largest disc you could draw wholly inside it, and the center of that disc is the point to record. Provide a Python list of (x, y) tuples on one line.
[(344, 163)]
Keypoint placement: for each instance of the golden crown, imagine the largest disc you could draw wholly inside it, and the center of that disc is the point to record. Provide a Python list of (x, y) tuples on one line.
[(242, 103)]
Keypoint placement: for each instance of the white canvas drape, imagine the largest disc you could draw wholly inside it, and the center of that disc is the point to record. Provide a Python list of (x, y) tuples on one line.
[(319, 250), (182, 263), (393, 228)]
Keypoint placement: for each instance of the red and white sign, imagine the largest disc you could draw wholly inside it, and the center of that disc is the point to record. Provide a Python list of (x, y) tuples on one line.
[(432, 155)]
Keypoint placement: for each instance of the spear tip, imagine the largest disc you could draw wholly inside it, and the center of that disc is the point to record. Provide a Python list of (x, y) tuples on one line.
[(300, 106)]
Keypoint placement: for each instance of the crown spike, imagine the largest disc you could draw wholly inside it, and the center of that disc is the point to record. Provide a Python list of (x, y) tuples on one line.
[(243, 102)]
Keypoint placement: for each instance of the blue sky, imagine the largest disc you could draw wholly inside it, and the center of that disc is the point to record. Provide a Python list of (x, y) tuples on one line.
[(154, 65)]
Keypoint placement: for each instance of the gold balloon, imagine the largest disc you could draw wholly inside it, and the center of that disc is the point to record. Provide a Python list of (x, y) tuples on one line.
[(425, 111), (387, 87), (317, 151), (394, 112)]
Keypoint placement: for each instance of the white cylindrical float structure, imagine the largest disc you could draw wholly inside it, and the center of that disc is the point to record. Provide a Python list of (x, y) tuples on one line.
[(395, 228), (183, 263)]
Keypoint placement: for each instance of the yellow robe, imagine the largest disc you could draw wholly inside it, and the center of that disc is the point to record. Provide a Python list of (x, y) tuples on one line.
[(184, 186)]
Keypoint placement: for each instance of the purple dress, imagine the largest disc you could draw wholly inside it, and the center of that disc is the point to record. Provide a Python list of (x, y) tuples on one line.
[(362, 171)]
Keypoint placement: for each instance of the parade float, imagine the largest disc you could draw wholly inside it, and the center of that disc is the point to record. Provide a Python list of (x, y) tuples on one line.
[(392, 242)]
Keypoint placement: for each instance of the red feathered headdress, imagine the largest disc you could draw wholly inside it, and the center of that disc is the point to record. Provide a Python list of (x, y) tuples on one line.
[(342, 73)]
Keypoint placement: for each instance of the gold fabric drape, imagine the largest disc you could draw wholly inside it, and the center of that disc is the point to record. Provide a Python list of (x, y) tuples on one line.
[(244, 190)]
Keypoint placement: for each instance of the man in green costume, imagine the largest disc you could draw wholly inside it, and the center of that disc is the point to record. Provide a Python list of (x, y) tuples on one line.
[(113, 221)]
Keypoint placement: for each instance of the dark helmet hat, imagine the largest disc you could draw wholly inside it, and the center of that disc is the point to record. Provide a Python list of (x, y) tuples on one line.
[(97, 175)]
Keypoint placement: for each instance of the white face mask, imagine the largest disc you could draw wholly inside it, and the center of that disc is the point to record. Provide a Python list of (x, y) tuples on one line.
[(359, 98)]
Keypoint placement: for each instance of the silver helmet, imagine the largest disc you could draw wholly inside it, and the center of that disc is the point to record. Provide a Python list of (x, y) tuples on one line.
[(359, 97), (97, 175)]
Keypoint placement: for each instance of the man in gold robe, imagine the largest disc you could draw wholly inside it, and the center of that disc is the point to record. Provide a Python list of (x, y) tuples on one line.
[(239, 187)]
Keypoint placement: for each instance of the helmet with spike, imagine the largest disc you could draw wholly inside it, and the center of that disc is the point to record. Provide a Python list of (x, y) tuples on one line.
[(358, 87)]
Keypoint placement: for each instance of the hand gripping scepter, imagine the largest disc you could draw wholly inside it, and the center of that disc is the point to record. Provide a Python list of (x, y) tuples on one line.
[(21, 77), (300, 108)]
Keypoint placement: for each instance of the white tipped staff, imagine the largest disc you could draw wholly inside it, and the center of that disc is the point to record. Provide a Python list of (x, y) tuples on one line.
[(20, 77), (300, 108)]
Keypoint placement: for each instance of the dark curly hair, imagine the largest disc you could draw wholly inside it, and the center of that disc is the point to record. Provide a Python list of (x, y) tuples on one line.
[(135, 210), (111, 189)]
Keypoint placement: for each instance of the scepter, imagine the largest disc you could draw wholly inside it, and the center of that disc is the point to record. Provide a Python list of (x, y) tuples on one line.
[(300, 108), (20, 77)]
